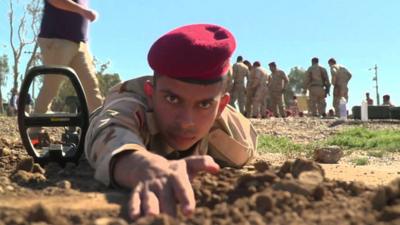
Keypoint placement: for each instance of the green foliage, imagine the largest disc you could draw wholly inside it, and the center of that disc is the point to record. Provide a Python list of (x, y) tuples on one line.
[(267, 143), (4, 69), (360, 161), (107, 81), (361, 138), (295, 85), (376, 154)]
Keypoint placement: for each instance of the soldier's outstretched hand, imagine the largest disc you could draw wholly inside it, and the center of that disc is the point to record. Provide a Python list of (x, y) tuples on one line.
[(159, 185)]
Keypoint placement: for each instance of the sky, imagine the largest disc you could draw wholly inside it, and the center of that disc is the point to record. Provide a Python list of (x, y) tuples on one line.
[(358, 34)]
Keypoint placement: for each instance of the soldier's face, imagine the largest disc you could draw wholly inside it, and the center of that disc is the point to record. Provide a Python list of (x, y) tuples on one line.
[(185, 112)]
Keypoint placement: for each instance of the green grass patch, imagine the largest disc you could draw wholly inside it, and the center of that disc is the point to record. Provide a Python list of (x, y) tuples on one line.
[(284, 145), (376, 154), (361, 138), (361, 161)]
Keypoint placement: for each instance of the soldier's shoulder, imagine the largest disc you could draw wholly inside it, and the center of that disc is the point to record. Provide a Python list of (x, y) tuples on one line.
[(134, 85)]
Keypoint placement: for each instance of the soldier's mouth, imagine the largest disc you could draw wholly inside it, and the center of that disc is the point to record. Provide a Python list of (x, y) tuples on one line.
[(180, 138)]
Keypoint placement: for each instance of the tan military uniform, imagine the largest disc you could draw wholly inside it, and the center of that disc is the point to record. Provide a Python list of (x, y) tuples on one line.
[(315, 80), (277, 84), (259, 105), (340, 78), (229, 81), (124, 123), (239, 72), (252, 82)]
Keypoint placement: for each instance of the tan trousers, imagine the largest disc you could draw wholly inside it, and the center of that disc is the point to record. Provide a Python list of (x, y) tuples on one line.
[(338, 93), (77, 56), (317, 101), (277, 104), (238, 93)]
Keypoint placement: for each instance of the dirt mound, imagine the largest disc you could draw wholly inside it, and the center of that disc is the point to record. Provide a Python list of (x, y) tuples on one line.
[(295, 193)]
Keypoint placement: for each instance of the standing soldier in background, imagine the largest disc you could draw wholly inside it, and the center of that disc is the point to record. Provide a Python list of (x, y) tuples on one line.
[(238, 92), (340, 79), (229, 81), (317, 82), (277, 86), (261, 93), (255, 78)]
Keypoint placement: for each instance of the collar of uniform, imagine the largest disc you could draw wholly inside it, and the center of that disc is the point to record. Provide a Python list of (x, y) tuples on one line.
[(151, 123)]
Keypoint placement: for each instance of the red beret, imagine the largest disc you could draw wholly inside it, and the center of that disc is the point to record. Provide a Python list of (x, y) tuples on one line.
[(193, 53)]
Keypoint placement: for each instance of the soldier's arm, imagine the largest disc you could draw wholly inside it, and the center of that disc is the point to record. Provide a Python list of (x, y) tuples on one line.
[(326, 78), (72, 6), (285, 80), (333, 75), (114, 147), (233, 140), (348, 74)]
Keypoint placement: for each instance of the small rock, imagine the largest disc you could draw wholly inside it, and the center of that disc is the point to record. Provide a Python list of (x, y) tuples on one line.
[(292, 186), (25, 164), (64, 184), (42, 213), (393, 189), (10, 188), (38, 169), (301, 165), (391, 213), (263, 202), (356, 188), (261, 166), (24, 177), (1, 190), (4, 180), (311, 178), (379, 199), (110, 221), (330, 154), (4, 151)]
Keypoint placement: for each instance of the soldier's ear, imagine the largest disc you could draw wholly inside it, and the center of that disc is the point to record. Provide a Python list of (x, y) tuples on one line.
[(148, 88), (224, 101)]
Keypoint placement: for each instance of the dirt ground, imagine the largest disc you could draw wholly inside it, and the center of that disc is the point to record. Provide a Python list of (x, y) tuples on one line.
[(274, 189)]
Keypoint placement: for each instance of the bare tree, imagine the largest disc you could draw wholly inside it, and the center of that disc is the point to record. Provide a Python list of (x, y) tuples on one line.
[(4, 69), (22, 38)]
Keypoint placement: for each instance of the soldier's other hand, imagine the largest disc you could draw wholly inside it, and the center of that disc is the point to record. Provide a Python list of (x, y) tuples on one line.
[(90, 15), (171, 186)]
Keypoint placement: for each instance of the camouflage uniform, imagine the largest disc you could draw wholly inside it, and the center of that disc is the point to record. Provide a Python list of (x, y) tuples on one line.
[(340, 79), (277, 85), (315, 80), (238, 92), (124, 123), (253, 102), (261, 94)]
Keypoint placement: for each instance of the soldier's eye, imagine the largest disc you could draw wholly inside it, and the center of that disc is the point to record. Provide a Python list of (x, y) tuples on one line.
[(205, 105), (171, 99)]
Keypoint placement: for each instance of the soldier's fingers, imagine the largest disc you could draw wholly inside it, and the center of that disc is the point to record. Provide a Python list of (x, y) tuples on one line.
[(168, 202), (183, 192), (196, 164), (150, 204), (134, 202)]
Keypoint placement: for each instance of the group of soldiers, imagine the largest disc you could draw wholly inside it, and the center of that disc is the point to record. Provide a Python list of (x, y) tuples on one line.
[(257, 93)]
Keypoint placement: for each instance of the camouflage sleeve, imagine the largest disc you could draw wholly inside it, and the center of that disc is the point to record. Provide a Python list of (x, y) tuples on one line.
[(114, 128), (233, 141)]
